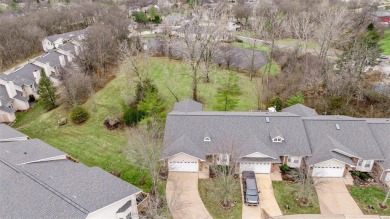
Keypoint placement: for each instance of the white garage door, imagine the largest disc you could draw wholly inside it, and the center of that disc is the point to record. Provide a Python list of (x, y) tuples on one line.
[(387, 179), (182, 166), (319, 171), (256, 167)]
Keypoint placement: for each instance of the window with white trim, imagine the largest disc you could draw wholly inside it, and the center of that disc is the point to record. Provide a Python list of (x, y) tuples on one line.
[(277, 139), (368, 164), (207, 139), (360, 163)]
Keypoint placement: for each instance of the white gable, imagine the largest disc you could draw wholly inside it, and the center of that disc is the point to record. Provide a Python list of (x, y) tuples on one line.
[(257, 154)]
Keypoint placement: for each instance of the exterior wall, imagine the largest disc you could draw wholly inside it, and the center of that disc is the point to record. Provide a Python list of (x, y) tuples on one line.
[(109, 212), (7, 117), (363, 167), (21, 105), (183, 157), (47, 45), (291, 161), (378, 171)]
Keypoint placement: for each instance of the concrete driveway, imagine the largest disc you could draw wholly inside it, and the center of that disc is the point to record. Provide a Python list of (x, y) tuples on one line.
[(334, 197), (267, 197), (183, 196), (267, 200)]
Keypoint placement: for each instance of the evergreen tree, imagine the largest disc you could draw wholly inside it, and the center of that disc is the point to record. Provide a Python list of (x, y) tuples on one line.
[(227, 94), (297, 98), (47, 92), (153, 106)]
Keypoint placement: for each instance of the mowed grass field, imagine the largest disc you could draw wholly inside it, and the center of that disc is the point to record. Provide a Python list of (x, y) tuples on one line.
[(92, 144), (385, 43)]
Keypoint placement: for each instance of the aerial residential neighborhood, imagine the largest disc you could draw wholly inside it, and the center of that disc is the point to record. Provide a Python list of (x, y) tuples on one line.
[(119, 109)]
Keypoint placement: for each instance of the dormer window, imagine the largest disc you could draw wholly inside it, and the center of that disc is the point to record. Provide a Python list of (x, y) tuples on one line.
[(207, 139), (277, 139)]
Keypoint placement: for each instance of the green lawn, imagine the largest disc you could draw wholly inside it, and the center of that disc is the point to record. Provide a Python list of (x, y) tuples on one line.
[(275, 69), (213, 204), (385, 43), (250, 46), (92, 144), (284, 196), (175, 75), (370, 195)]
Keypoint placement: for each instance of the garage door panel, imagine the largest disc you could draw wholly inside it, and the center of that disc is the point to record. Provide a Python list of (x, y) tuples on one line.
[(328, 171), (256, 167), (182, 166)]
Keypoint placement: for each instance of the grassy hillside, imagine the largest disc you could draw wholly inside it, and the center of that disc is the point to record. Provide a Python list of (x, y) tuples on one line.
[(92, 144)]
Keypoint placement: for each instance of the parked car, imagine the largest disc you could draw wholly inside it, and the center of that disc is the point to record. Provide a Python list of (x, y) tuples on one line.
[(251, 194)]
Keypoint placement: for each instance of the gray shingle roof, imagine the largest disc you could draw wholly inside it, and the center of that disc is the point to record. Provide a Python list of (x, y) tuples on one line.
[(4, 98), (301, 110), (65, 36), (22, 76), (22, 197), (91, 188), (381, 131), (229, 130), (354, 137), (27, 151), (188, 105), (68, 47), (53, 58), (7, 132)]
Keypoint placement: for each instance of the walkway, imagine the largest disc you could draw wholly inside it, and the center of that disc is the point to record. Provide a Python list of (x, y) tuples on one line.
[(183, 196)]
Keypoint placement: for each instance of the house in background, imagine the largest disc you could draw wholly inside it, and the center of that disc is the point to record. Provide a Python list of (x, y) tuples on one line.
[(39, 181), (25, 79), (383, 17), (326, 146), (53, 42)]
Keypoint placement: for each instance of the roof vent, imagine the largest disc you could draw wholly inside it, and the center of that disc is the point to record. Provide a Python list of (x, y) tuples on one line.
[(74, 196), (267, 119), (207, 139), (337, 127)]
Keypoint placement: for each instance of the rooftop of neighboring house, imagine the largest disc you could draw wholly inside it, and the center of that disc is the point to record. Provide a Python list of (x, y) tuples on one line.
[(301, 110), (341, 139), (22, 76), (381, 130), (66, 36), (383, 13), (239, 133), (4, 98), (53, 58), (68, 47), (41, 183), (7, 132)]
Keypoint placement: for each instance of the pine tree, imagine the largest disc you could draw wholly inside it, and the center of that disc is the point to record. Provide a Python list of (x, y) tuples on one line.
[(153, 106), (47, 92), (227, 94)]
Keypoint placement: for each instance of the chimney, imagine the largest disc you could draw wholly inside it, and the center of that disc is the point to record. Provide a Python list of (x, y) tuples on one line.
[(272, 109), (11, 90), (76, 50), (37, 76), (62, 60), (47, 69), (69, 55)]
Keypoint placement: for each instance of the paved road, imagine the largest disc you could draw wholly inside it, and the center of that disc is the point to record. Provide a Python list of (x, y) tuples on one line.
[(334, 197), (183, 197), (330, 216)]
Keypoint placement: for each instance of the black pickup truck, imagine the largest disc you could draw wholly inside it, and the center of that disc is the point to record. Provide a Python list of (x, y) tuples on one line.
[(251, 194)]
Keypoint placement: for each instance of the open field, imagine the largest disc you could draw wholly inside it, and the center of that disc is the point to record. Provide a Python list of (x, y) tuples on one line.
[(385, 43), (92, 144)]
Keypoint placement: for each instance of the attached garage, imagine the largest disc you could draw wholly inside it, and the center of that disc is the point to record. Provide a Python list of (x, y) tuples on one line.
[(183, 166), (329, 168), (257, 167), (183, 163)]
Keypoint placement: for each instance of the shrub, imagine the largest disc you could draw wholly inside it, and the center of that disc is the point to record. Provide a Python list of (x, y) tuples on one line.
[(284, 168), (79, 115), (239, 41), (132, 116), (363, 176), (297, 98), (355, 173), (31, 98), (276, 102)]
